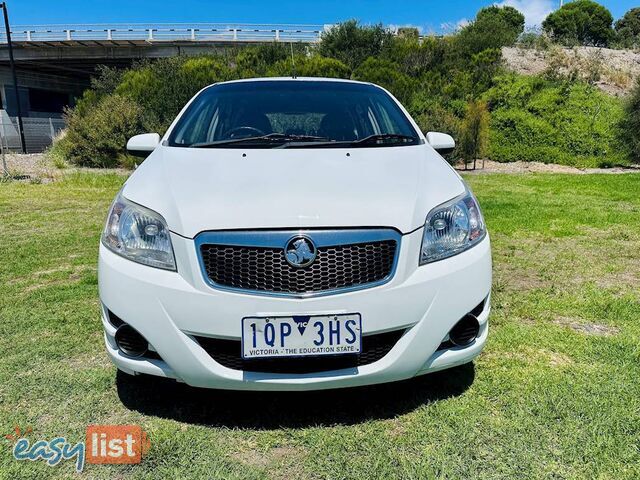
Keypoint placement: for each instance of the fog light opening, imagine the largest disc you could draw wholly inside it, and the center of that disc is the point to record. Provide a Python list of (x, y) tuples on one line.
[(465, 331), (130, 342)]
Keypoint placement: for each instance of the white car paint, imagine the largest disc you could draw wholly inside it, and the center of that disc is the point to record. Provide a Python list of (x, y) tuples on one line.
[(198, 190), (204, 189)]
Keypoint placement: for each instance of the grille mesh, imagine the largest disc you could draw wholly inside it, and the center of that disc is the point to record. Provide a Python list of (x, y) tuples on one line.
[(229, 354), (266, 270)]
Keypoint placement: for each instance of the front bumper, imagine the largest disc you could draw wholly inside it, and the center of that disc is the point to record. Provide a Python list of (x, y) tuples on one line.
[(169, 309)]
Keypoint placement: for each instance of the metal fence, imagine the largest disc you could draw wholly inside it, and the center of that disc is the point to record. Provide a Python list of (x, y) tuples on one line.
[(199, 32), (38, 133)]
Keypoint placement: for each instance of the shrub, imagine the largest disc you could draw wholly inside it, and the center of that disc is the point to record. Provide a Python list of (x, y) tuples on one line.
[(163, 87), (386, 74), (417, 57), (314, 66), (484, 67), (352, 43), (474, 132), (512, 18), (494, 28), (552, 122), (581, 22), (630, 125), (534, 40), (98, 139), (434, 115), (408, 32), (575, 66), (255, 61), (628, 29)]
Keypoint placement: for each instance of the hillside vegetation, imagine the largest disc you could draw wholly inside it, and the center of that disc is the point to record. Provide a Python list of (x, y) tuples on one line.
[(457, 84)]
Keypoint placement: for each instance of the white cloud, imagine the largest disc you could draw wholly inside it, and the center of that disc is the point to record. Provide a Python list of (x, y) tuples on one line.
[(534, 11), (449, 27)]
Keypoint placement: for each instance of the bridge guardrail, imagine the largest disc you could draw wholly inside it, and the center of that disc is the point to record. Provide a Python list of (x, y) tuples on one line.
[(201, 32)]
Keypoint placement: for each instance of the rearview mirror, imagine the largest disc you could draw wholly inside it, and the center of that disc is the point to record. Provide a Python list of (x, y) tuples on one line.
[(142, 145), (441, 142)]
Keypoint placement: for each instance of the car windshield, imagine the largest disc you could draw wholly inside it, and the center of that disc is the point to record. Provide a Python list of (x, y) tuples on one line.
[(293, 113)]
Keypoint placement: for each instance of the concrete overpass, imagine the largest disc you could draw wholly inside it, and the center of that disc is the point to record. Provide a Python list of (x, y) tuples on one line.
[(54, 63), (71, 45)]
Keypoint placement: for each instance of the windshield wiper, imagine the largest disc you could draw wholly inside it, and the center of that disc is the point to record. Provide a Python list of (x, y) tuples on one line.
[(271, 138), (371, 140), (381, 138)]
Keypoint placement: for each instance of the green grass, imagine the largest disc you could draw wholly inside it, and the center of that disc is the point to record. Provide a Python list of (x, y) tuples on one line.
[(556, 393)]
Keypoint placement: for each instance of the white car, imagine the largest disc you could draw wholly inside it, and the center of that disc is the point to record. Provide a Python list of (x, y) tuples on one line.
[(293, 234)]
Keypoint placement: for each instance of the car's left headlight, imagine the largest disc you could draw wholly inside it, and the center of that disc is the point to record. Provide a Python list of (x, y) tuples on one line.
[(138, 234), (452, 228)]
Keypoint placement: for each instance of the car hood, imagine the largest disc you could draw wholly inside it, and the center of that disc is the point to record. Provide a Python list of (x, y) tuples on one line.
[(220, 189)]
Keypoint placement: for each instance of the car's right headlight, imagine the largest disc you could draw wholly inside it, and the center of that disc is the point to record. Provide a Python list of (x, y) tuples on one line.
[(452, 228), (138, 234)]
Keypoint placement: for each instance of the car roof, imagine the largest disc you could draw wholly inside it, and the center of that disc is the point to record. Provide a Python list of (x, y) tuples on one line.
[(295, 79)]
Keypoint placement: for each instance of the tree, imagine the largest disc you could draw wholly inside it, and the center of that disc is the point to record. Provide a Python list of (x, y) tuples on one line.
[(630, 125), (582, 22), (387, 74), (352, 43), (484, 67), (511, 16), (474, 134), (494, 28), (628, 29)]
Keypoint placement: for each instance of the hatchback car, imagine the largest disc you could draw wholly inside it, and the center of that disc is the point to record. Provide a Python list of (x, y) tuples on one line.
[(293, 234)]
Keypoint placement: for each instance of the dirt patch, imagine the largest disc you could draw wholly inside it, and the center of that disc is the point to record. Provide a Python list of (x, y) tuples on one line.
[(615, 70), (87, 362), (75, 273), (40, 279), (263, 459), (556, 359), (538, 167), (32, 167), (594, 329), (529, 355), (523, 264), (39, 168)]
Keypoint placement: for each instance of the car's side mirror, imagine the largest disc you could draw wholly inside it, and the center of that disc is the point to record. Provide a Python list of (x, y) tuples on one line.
[(441, 142), (142, 145)]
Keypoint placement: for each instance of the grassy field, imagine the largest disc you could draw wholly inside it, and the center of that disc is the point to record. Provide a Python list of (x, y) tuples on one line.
[(556, 393)]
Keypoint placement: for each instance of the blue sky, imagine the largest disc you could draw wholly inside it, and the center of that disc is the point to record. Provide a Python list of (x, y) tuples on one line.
[(429, 15)]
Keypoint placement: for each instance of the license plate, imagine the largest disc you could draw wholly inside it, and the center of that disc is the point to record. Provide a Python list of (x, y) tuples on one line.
[(301, 335)]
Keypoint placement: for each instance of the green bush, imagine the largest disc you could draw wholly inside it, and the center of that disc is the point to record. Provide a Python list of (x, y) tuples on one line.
[(352, 43), (538, 41), (98, 138), (581, 22), (254, 61), (163, 87), (628, 29), (417, 57), (630, 125), (387, 75), (433, 115), (553, 122), (314, 66), (494, 28), (474, 132), (484, 67)]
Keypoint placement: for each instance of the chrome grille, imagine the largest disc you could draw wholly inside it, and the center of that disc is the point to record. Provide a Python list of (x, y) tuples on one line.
[(344, 261)]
